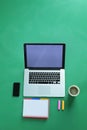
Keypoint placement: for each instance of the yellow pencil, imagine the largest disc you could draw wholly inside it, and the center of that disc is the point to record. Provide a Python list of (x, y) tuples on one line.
[(62, 104)]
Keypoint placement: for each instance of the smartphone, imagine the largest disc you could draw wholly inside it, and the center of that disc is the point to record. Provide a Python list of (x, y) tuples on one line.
[(16, 89)]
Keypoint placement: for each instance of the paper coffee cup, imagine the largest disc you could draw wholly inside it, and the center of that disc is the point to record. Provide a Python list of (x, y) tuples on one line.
[(73, 91)]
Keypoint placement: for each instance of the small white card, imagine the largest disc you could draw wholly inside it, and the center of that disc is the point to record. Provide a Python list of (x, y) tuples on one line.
[(35, 108)]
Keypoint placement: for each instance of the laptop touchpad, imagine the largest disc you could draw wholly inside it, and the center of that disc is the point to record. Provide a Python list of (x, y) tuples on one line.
[(44, 90)]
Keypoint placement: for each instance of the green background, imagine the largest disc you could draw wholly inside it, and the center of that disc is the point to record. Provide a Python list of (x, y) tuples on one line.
[(43, 21)]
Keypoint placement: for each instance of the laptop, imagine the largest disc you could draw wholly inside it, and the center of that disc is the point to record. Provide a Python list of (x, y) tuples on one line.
[(44, 72)]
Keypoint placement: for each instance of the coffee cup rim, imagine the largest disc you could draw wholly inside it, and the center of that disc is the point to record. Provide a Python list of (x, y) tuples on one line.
[(75, 87)]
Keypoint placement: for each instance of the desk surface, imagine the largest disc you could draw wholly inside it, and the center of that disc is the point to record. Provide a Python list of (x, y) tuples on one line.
[(43, 21)]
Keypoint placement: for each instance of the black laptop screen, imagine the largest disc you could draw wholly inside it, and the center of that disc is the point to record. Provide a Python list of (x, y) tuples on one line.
[(44, 56)]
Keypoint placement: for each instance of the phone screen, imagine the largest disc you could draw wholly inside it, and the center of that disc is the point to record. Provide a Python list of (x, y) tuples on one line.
[(16, 89)]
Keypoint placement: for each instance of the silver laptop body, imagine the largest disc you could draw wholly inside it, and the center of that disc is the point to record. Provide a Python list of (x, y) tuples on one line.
[(44, 73)]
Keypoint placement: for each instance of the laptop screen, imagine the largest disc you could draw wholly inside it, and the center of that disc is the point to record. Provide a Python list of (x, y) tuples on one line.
[(44, 55)]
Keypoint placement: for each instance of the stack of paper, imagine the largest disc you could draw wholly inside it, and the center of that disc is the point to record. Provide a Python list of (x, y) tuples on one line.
[(36, 108)]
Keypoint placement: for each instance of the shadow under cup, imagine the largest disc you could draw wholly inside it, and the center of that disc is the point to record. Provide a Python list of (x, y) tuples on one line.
[(73, 91)]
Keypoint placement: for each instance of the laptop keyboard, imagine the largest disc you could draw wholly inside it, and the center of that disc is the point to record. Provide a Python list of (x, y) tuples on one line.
[(44, 77)]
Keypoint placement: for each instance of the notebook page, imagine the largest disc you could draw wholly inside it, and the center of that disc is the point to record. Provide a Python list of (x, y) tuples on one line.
[(35, 108)]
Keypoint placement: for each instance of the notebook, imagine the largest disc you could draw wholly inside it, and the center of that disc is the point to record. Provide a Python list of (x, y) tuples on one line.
[(44, 72), (35, 108)]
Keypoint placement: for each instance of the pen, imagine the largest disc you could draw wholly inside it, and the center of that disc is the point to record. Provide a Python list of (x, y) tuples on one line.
[(59, 104), (62, 104)]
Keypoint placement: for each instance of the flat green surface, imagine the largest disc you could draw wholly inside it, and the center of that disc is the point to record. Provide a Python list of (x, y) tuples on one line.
[(43, 21)]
